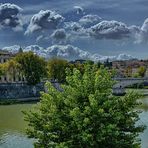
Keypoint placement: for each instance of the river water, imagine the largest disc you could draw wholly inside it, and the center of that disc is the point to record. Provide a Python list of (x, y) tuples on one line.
[(12, 126)]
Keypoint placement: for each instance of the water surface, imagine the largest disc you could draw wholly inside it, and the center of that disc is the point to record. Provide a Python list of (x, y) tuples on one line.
[(12, 126)]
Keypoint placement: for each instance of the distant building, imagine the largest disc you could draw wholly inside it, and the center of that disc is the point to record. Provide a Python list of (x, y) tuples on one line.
[(7, 78), (78, 61), (129, 67)]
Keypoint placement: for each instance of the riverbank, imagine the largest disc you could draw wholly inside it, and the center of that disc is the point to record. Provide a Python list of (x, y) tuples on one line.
[(18, 101), (18, 91)]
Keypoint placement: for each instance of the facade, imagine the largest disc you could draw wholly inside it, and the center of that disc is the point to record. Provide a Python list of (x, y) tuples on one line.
[(8, 77)]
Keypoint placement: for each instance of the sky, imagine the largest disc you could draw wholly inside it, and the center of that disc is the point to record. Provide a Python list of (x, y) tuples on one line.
[(104, 27)]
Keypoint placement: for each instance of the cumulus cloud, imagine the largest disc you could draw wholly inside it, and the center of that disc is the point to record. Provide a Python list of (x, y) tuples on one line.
[(68, 52), (44, 20), (109, 30), (75, 30), (73, 26), (90, 20), (59, 35), (79, 10), (12, 49), (142, 36), (10, 16)]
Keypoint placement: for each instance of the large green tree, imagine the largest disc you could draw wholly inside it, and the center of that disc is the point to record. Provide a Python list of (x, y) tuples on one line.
[(85, 114), (56, 69), (32, 66)]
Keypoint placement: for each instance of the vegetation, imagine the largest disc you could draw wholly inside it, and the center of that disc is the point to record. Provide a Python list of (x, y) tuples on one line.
[(142, 71), (32, 66), (9, 101), (85, 114), (56, 69), (1, 70), (128, 71), (11, 68)]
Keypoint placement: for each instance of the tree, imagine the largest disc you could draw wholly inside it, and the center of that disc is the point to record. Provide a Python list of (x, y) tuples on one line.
[(85, 114), (142, 71), (128, 71), (2, 69), (108, 64), (32, 66), (11, 67), (56, 69)]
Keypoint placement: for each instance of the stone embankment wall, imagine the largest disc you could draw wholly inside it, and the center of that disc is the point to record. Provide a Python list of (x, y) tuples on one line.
[(20, 90)]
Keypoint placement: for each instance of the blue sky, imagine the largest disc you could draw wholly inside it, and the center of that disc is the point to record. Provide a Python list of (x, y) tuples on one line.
[(102, 26)]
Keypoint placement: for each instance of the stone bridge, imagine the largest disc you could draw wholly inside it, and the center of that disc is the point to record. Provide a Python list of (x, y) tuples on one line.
[(124, 82), (119, 88)]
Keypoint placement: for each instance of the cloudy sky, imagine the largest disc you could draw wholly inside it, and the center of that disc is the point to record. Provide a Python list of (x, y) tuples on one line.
[(105, 27)]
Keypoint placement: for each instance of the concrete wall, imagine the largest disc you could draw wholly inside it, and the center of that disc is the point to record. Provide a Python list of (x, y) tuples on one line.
[(19, 90)]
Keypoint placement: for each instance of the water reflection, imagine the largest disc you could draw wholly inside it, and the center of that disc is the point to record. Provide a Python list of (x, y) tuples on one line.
[(12, 127), (15, 140)]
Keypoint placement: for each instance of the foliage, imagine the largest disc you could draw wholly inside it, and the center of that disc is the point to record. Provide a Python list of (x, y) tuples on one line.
[(128, 71), (32, 66), (108, 64), (85, 114), (142, 71), (56, 69), (135, 75), (2, 69), (11, 67)]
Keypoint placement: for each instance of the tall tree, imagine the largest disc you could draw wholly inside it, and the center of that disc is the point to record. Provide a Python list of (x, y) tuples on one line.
[(85, 114), (56, 69), (32, 66)]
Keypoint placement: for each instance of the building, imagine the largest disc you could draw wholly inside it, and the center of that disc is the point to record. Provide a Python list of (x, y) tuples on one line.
[(129, 68), (8, 77)]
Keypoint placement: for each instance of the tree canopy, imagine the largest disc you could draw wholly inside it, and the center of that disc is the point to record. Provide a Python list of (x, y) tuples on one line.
[(32, 66), (85, 114), (56, 69), (142, 71)]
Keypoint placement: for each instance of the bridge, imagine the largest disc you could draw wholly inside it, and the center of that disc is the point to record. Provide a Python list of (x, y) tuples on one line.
[(122, 83)]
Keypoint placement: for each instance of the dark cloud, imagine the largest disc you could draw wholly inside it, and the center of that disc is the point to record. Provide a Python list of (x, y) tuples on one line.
[(44, 20), (10, 16), (109, 30), (59, 34)]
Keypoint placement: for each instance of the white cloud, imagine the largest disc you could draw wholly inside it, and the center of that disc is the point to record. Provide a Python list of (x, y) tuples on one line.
[(44, 20), (79, 10), (142, 36), (90, 20), (10, 16), (73, 26), (12, 49), (68, 52), (110, 30)]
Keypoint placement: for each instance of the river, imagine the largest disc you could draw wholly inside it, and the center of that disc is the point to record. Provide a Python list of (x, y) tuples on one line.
[(12, 126)]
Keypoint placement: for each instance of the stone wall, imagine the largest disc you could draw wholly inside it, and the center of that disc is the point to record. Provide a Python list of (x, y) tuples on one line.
[(20, 90)]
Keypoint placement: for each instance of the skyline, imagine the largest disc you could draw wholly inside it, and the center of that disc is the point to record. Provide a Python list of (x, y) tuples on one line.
[(104, 27)]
